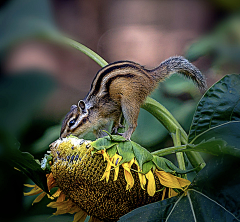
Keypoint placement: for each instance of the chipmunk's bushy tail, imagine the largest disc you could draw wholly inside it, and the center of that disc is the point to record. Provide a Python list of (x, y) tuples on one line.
[(178, 64)]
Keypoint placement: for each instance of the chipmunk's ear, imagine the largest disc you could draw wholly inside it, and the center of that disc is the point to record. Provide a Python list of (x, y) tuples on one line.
[(82, 106), (73, 107)]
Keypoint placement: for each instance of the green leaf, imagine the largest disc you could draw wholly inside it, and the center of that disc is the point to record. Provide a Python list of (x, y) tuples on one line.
[(125, 150), (219, 105), (26, 163), (103, 143), (218, 146), (167, 166), (142, 155), (228, 131), (161, 164), (117, 138), (112, 151), (148, 166), (219, 182)]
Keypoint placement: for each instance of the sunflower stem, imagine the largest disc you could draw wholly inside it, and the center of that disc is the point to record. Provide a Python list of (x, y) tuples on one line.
[(90, 53), (171, 124), (169, 150), (58, 37), (164, 116), (180, 158)]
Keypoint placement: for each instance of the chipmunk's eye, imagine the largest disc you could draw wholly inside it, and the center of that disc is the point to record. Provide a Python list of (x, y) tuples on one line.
[(71, 123)]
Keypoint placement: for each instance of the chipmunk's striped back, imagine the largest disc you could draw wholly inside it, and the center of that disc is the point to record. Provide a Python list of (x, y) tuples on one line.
[(121, 69), (128, 69)]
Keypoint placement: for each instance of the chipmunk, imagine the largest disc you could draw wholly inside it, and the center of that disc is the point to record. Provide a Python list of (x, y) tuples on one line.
[(120, 88)]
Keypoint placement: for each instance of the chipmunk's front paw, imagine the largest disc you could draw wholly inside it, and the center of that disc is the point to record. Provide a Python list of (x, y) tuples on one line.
[(115, 129)]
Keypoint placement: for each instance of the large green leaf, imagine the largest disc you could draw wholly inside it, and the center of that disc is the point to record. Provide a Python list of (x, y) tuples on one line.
[(213, 196), (155, 212), (219, 105)]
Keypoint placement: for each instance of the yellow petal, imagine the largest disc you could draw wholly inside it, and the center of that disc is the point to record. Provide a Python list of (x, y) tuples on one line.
[(107, 172), (29, 185), (169, 180), (141, 176), (80, 216), (183, 182), (55, 204), (94, 219), (57, 193), (51, 181), (130, 163), (172, 193), (39, 198), (151, 187), (34, 191), (61, 197), (115, 161), (128, 176), (142, 180), (116, 173), (62, 207), (163, 194), (105, 155), (74, 209)]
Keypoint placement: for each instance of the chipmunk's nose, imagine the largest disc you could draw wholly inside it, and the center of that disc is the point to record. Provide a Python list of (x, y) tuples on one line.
[(63, 134)]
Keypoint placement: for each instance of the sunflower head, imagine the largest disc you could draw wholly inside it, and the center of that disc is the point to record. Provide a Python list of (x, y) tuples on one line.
[(105, 183), (80, 175)]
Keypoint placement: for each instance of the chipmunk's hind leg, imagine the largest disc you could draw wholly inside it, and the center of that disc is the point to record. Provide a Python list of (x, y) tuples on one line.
[(130, 113), (117, 125)]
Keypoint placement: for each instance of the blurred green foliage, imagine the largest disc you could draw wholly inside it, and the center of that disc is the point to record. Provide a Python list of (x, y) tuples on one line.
[(21, 19), (222, 45)]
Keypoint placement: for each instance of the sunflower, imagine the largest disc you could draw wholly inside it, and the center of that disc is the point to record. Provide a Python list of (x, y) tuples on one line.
[(102, 185)]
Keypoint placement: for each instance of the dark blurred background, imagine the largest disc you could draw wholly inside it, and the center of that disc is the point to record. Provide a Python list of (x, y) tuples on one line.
[(40, 80)]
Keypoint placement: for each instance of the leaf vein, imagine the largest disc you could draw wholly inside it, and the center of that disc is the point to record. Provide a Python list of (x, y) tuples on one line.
[(191, 205), (215, 203), (175, 204), (233, 109)]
